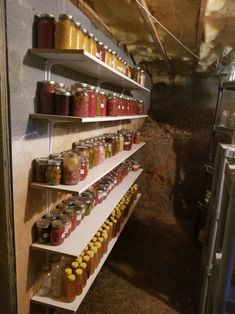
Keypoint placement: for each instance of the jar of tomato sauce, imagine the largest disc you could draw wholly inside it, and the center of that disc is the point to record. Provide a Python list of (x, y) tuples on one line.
[(46, 97), (80, 103), (45, 31), (112, 105), (57, 232), (92, 101)]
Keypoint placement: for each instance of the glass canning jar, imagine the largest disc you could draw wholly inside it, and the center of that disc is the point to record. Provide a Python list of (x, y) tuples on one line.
[(79, 35), (101, 51), (142, 77), (45, 31), (84, 168), (140, 107), (67, 224), (62, 103), (46, 97), (92, 101), (65, 33), (112, 105), (54, 172), (43, 230), (107, 56), (71, 169), (103, 104), (39, 169), (70, 212), (86, 42), (101, 151), (80, 103), (93, 47), (138, 137), (57, 232)]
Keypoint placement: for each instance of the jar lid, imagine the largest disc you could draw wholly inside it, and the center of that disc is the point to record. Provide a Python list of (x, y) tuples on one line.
[(71, 277), (54, 162), (100, 43), (65, 16), (78, 24), (65, 218), (114, 53), (70, 212), (86, 258), (83, 265), (142, 71), (43, 223), (68, 271), (42, 160), (57, 223), (47, 16), (92, 87), (79, 271), (48, 82), (60, 84), (74, 264), (109, 50), (85, 30), (91, 35)]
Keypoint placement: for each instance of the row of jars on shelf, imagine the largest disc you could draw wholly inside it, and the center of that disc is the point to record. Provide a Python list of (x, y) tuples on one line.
[(73, 166), (65, 277), (82, 100), (68, 34), (65, 218)]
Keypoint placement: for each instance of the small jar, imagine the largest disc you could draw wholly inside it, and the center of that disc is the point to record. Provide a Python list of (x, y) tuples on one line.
[(91, 155), (80, 204), (138, 137), (114, 60), (78, 213), (142, 77), (57, 232), (39, 169), (46, 97), (135, 166), (100, 196), (101, 153), (43, 230), (127, 143), (80, 103), (121, 142), (79, 281), (65, 33), (96, 155), (62, 103), (54, 172), (107, 56), (45, 31), (83, 266), (92, 101), (71, 169)]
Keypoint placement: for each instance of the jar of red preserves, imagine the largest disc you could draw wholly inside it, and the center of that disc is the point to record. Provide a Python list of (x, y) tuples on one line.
[(73, 218), (62, 103), (92, 101), (46, 97), (57, 232), (103, 104), (84, 168), (112, 105), (45, 31), (80, 103), (101, 51)]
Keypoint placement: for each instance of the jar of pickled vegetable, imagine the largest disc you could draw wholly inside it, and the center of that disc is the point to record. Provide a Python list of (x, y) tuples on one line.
[(80, 103), (45, 31), (62, 103), (101, 152), (79, 35), (39, 169), (57, 232), (43, 230), (114, 60), (46, 97), (91, 155), (54, 172), (96, 154), (93, 47), (92, 101), (71, 169), (65, 33)]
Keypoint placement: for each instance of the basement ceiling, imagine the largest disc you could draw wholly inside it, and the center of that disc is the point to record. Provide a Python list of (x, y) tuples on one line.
[(205, 27)]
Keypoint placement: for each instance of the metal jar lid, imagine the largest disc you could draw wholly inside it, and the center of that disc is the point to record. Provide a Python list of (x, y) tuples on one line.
[(63, 93), (48, 82), (54, 162), (57, 223), (65, 16), (49, 16)]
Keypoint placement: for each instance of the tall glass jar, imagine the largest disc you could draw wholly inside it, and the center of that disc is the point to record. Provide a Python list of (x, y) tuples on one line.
[(57, 232), (112, 105), (79, 35), (101, 51), (46, 97), (80, 103), (140, 107), (54, 172), (43, 230), (84, 168), (65, 33), (39, 169), (107, 56), (92, 101), (103, 104), (114, 60), (142, 77), (45, 31), (71, 169), (62, 103), (93, 47), (45, 280), (86, 43)]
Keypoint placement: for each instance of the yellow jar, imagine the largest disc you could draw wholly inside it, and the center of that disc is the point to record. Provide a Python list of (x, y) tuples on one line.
[(80, 36), (93, 46), (114, 60), (86, 43), (65, 33)]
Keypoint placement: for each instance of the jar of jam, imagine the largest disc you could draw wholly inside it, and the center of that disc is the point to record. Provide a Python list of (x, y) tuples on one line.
[(138, 137), (45, 31), (67, 224), (54, 172), (43, 230), (92, 101), (71, 169), (79, 35), (57, 232), (39, 169), (73, 218), (46, 97), (65, 33), (101, 51), (84, 168), (70, 288), (62, 103), (80, 102)]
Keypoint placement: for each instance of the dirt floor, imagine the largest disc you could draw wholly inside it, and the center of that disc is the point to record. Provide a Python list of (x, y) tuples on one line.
[(154, 268)]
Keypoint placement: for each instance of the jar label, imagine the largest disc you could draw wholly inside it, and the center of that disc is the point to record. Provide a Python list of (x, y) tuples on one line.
[(101, 105), (82, 171)]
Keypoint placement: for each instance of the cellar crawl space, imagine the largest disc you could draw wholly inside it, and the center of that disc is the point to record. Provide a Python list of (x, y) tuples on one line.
[(154, 98)]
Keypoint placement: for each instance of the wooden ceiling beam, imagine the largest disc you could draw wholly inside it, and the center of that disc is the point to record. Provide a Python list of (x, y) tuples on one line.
[(155, 34)]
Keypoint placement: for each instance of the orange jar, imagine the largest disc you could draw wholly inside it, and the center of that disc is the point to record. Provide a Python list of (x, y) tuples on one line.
[(65, 33), (79, 35)]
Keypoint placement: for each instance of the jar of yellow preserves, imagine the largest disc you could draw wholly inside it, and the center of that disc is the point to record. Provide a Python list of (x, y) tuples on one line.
[(93, 47), (86, 43), (79, 35), (65, 33)]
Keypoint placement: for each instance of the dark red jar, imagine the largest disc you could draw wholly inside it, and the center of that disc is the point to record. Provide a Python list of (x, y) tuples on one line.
[(57, 232), (113, 105), (84, 168), (73, 218), (46, 97), (101, 51), (92, 101), (45, 31), (80, 103), (39, 169), (62, 103)]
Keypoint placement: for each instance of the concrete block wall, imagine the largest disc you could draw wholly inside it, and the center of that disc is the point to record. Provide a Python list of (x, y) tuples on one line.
[(30, 137)]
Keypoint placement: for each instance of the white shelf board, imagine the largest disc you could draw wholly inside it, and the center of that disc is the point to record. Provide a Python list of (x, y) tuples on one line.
[(59, 118), (73, 306), (94, 174), (90, 224), (84, 62)]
